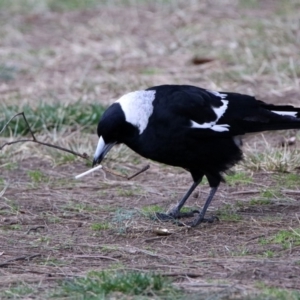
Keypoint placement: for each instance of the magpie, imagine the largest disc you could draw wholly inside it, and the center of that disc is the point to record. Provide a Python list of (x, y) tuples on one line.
[(190, 127)]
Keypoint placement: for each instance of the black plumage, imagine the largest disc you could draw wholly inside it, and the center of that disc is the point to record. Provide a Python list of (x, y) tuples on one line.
[(189, 127)]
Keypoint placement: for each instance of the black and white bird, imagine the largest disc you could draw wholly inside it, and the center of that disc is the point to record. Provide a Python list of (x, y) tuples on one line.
[(189, 127)]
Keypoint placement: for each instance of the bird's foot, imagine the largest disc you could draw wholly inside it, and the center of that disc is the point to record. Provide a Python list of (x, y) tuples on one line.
[(197, 221), (174, 215)]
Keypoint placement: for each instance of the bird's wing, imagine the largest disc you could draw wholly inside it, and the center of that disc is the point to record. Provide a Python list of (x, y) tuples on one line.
[(230, 114)]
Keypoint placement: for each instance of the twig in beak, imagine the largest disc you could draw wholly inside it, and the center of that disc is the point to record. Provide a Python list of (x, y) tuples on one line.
[(88, 172)]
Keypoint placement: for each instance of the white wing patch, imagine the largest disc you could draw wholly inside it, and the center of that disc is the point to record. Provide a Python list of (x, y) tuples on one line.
[(138, 107), (211, 125), (219, 111), (221, 95), (285, 113)]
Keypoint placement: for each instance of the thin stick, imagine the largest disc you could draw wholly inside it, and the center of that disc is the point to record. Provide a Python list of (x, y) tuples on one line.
[(25, 257), (34, 140), (22, 113), (84, 155), (95, 257), (114, 172), (88, 172), (139, 172)]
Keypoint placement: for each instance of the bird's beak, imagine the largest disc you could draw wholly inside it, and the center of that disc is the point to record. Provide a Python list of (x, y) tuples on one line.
[(101, 151)]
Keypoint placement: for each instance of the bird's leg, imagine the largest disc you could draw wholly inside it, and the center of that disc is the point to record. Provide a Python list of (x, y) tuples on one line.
[(175, 212), (200, 218)]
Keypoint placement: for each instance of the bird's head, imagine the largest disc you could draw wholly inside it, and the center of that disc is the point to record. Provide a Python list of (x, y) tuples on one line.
[(112, 129), (123, 121)]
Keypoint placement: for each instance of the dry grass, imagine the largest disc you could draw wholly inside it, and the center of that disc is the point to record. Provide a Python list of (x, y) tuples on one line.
[(95, 52)]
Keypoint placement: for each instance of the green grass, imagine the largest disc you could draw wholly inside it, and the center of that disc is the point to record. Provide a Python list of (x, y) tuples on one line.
[(48, 117), (79, 207), (286, 238), (290, 180), (238, 178), (101, 285), (12, 227), (276, 159), (100, 226), (27, 6), (7, 73), (256, 202), (66, 159), (151, 209), (226, 213), (121, 217), (36, 175), (19, 291), (273, 293), (271, 193), (269, 254)]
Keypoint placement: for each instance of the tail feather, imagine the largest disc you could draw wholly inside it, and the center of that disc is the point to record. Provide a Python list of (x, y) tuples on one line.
[(283, 110), (273, 117)]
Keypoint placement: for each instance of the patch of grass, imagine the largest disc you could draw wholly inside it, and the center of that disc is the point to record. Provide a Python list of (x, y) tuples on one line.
[(271, 193), (10, 166), (121, 218), (288, 180), (7, 73), (256, 202), (67, 5), (36, 175), (249, 3), (13, 206), (269, 254), (277, 293), (49, 117), (276, 159), (44, 239), (286, 238), (12, 227), (27, 6), (226, 213), (100, 226), (187, 209), (78, 207), (123, 215), (243, 251), (151, 209), (66, 158), (100, 285), (238, 178), (150, 71), (53, 262), (123, 192), (17, 292)]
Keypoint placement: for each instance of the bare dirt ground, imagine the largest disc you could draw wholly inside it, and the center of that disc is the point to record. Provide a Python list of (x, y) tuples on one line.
[(53, 227)]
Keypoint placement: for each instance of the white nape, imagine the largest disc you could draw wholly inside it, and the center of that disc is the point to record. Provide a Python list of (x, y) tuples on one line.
[(138, 107)]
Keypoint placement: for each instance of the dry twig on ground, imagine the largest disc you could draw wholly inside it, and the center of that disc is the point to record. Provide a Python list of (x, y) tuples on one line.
[(34, 140)]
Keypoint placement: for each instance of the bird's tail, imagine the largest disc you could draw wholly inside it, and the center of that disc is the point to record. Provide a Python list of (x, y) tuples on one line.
[(282, 110), (276, 117)]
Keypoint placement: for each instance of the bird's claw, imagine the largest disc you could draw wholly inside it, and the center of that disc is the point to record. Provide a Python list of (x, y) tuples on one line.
[(197, 221), (177, 215)]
